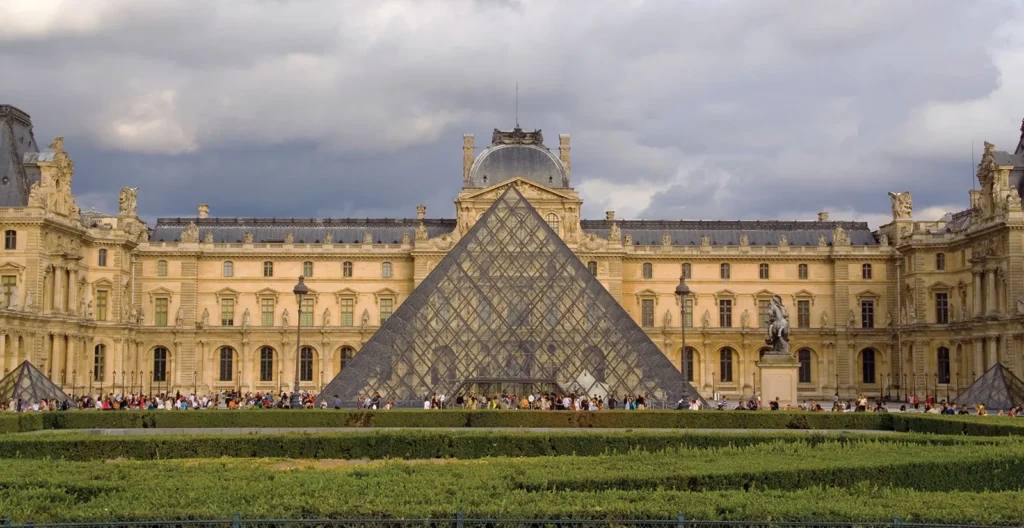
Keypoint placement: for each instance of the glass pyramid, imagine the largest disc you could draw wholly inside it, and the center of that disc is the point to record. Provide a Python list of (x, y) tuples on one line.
[(509, 309), (996, 389), (29, 384)]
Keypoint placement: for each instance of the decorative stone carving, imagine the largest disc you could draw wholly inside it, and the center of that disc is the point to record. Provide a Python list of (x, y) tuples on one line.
[(443, 242), (284, 318), (902, 205), (247, 238), (246, 319), (405, 239), (783, 241), (367, 238), (705, 241), (883, 240), (852, 320), (744, 241), (839, 237), (629, 239), (191, 233), (88, 312), (421, 233), (53, 191), (614, 235), (778, 328), (127, 202), (666, 239), (289, 238), (745, 319), (328, 238), (365, 320), (572, 225), (592, 242), (706, 319), (912, 311), (517, 136), (666, 321), (209, 238), (13, 305), (327, 317), (821, 241), (29, 305), (179, 318), (1013, 202), (1020, 305), (824, 319), (206, 318)]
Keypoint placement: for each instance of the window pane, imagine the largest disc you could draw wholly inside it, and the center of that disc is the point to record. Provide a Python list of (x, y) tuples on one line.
[(7, 283), (226, 363), (725, 364), (160, 318), (161, 268), (306, 364), (103, 257), (267, 312), (725, 271), (229, 269), (348, 312), (689, 313), (867, 314), (805, 365), (552, 220), (688, 360), (385, 310), (592, 267), (385, 270), (160, 364), (802, 271), (268, 269), (346, 269), (101, 305), (648, 270), (942, 308), (762, 271), (866, 271), (10, 239), (686, 270), (762, 313), (943, 365), (868, 365), (99, 362), (725, 313), (940, 261), (307, 310), (803, 314), (307, 269), (266, 364), (227, 312), (647, 313)]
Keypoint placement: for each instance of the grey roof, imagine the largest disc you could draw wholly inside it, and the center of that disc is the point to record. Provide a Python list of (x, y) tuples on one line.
[(303, 230), (960, 220), (725, 233), (1005, 158), (517, 153), (16, 140)]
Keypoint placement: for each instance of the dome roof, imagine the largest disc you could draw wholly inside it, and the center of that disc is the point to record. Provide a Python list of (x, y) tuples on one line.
[(517, 154)]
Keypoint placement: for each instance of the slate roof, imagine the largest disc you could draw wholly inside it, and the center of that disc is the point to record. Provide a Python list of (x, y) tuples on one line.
[(996, 389), (759, 232), (960, 220), (499, 163), (16, 141), (29, 384), (304, 230)]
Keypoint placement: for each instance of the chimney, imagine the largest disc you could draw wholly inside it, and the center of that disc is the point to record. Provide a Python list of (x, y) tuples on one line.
[(609, 215), (421, 211), (468, 154), (823, 216), (204, 211), (563, 154)]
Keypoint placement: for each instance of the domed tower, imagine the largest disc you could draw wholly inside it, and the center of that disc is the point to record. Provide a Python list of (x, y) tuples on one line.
[(516, 153)]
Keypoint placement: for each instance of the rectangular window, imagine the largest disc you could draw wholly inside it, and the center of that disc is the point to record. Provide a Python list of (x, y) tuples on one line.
[(385, 310), (101, 305), (687, 270), (7, 283), (762, 271), (648, 270), (229, 269), (942, 307), (102, 260), (762, 313), (307, 310), (348, 308), (10, 239), (160, 317), (385, 270), (307, 269), (346, 270), (725, 313), (689, 313), (940, 261), (267, 364), (268, 269), (647, 313), (867, 314), (804, 356), (803, 314), (944, 373), (227, 312), (161, 268), (267, 312)]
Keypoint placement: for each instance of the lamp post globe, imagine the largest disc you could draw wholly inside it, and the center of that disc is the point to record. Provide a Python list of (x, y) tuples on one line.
[(682, 292), (300, 290)]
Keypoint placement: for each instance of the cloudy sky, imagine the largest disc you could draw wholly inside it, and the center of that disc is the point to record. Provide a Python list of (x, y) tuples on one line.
[(706, 109)]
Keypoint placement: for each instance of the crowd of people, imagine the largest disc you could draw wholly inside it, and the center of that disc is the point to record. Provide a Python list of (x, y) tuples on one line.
[(541, 401), (168, 402)]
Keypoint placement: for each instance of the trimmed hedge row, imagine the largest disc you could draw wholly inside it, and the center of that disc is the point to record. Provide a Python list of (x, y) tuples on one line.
[(417, 444), (969, 425)]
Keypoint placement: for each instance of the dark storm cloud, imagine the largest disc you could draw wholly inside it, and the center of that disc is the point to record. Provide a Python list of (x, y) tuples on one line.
[(677, 110)]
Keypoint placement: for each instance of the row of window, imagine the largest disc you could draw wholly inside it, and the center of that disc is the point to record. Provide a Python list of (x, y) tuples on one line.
[(227, 363), (227, 311), (763, 271), (268, 269), (725, 309)]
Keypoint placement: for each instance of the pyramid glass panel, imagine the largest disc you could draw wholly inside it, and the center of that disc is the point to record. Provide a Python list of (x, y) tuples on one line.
[(512, 309), (28, 384), (997, 389)]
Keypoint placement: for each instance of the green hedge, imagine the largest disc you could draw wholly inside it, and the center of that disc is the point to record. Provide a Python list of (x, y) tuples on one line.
[(969, 425), (417, 444)]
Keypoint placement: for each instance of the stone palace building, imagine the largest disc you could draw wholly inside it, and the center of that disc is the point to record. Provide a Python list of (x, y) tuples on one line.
[(104, 302)]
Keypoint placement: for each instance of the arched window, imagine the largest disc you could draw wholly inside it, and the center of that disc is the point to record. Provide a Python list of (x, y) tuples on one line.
[(346, 270), (688, 361), (229, 268), (724, 271), (943, 362), (161, 268), (268, 269), (725, 364), (307, 269), (686, 270), (306, 364), (99, 362), (344, 356), (801, 271), (865, 272), (10, 239), (552, 220), (592, 267), (385, 270), (940, 261), (867, 365), (648, 270), (102, 260), (227, 363), (266, 364), (762, 271), (804, 356), (159, 364)]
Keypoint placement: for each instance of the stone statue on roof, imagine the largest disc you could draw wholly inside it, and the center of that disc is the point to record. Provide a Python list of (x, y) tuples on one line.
[(289, 238), (128, 201), (247, 238), (328, 238), (902, 205)]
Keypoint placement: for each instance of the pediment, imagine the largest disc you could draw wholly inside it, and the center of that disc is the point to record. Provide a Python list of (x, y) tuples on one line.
[(385, 292), (268, 292), (160, 292), (802, 293), (763, 294), (646, 294), (226, 292), (12, 267), (868, 293), (346, 292), (939, 285), (528, 188), (103, 283)]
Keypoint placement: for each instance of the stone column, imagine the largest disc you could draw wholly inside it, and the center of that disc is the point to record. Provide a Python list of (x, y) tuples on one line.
[(976, 282), (979, 358), (5, 362), (991, 352), (56, 278), (73, 291), (990, 291)]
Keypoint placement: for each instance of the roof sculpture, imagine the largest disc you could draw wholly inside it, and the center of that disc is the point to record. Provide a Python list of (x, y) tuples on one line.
[(509, 304)]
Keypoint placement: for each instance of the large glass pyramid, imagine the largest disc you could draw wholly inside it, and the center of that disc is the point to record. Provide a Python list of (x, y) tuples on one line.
[(509, 309), (996, 389), (28, 384)]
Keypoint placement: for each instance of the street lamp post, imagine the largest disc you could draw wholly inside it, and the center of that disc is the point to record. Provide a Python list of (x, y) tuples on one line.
[(133, 382), (682, 292), (74, 382), (935, 395), (300, 291)]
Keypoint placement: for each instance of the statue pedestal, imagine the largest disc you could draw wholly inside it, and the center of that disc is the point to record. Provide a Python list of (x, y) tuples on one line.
[(779, 376)]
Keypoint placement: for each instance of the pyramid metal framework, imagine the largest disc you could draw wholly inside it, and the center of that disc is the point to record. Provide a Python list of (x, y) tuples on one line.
[(996, 389), (510, 308), (27, 383)]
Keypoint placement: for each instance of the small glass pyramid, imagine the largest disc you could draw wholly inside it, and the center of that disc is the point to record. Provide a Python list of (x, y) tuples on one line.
[(996, 389), (509, 309), (28, 384)]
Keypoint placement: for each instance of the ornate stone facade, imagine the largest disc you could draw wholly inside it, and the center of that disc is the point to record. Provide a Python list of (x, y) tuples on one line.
[(96, 299)]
